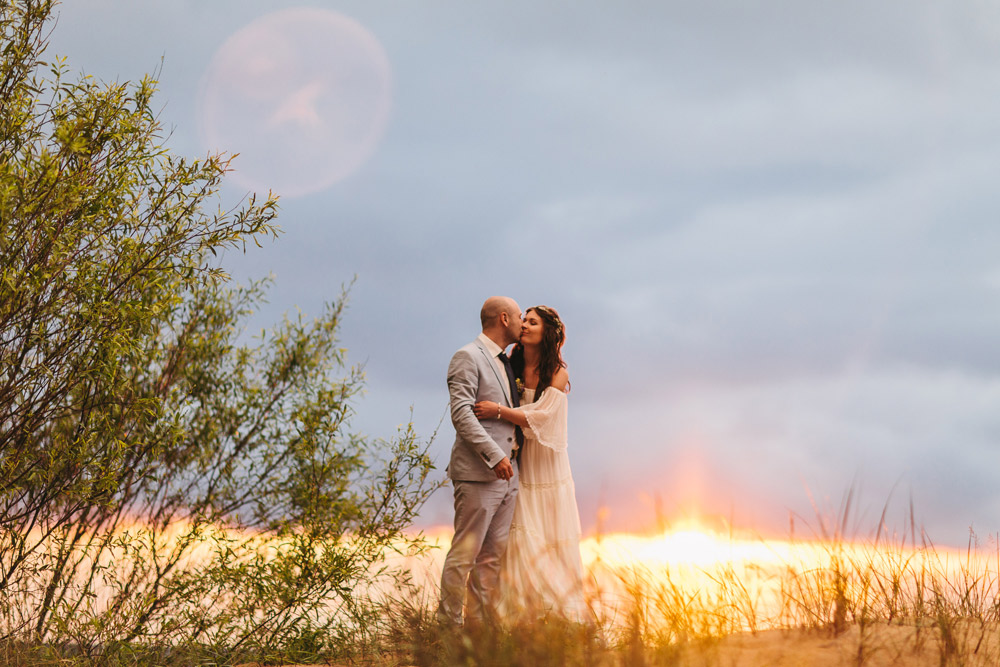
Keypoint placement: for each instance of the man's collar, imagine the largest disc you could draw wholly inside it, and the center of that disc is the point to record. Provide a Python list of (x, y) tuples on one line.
[(491, 347)]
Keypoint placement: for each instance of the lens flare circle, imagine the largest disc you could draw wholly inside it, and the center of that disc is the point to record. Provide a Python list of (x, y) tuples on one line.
[(303, 95)]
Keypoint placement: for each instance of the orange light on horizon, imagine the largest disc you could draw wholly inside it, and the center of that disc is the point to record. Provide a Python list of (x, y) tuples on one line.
[(704, 560), (697, 561)]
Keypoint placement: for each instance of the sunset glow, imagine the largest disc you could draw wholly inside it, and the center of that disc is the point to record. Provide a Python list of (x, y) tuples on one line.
[(689, 578), (758, 581)]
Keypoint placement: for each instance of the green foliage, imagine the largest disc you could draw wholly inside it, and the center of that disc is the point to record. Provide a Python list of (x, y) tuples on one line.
[(162, 481)]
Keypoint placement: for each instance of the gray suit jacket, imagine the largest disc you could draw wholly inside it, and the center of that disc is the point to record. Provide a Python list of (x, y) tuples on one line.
[(479, 445)]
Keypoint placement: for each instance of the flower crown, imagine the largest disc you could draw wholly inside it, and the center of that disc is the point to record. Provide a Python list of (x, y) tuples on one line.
[(558, 326)]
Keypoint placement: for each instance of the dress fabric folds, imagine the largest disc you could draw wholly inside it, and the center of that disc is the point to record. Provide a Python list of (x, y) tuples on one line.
[(542, 572)]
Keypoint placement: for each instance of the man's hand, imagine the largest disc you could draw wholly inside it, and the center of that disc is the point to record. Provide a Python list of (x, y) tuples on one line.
[(504, 469)]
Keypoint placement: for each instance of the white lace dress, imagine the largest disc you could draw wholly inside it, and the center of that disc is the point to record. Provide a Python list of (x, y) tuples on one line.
[(541, 571)]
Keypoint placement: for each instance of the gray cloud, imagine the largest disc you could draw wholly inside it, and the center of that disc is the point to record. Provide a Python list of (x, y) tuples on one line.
[(770, 228), (756, 451)]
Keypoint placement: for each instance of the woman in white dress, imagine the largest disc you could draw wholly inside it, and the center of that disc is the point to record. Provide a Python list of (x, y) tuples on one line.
[(541, 572)]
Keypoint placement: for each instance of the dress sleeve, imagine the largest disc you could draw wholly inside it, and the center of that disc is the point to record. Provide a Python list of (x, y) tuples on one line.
[(547, 419)]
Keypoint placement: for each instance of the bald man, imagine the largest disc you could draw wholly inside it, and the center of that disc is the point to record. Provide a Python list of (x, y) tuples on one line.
[(483, 478)]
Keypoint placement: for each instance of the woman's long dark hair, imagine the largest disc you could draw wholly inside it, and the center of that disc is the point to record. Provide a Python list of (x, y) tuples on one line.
[(550, 353)]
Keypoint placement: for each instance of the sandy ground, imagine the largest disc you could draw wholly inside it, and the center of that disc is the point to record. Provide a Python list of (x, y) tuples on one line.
[(879, 646)]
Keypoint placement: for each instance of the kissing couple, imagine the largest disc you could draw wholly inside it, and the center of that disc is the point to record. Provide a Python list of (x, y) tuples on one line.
[(516, 549)]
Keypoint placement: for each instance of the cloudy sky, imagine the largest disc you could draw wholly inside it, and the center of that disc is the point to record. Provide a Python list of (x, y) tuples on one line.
[(770, 227)]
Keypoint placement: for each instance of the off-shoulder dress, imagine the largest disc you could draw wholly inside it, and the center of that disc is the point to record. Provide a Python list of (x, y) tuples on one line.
[(541, 572)]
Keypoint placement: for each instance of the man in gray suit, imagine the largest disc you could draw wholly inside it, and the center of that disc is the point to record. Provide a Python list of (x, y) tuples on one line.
[(484, 479)]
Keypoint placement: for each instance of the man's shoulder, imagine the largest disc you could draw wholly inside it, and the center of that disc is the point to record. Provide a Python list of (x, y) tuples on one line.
[(468, 352), (472, 347)]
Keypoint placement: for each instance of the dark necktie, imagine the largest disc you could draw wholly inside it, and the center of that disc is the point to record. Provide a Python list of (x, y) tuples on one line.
[(515, 399)]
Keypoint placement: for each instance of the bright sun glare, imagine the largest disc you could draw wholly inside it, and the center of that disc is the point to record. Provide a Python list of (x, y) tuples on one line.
[(707, 572), (695, 560)]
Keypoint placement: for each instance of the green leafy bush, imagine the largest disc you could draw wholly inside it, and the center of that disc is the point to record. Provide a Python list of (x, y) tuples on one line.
[(163, 481)]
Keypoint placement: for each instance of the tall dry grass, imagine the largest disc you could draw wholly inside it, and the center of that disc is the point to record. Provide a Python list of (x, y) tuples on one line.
[(882, 600), (885, 599)]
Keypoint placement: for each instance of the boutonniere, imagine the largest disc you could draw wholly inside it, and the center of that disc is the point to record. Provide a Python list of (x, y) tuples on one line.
[(520, 386)]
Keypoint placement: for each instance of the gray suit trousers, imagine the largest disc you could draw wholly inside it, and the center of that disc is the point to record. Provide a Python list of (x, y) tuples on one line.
[(483, 512)]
